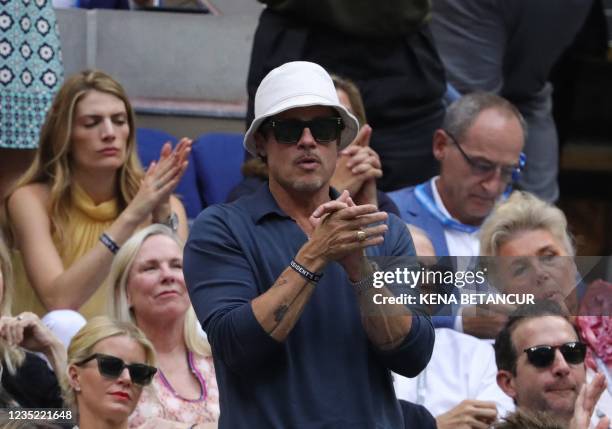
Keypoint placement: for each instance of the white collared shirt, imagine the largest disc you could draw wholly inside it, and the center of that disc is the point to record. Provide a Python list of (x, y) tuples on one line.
[(458, 243), (461, 367)]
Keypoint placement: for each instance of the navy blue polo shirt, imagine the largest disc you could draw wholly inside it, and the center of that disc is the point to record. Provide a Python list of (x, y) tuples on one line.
[(326, 374)]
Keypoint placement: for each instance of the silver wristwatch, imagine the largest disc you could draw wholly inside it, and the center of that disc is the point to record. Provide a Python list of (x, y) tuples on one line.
[(366, 280), (172, 222)]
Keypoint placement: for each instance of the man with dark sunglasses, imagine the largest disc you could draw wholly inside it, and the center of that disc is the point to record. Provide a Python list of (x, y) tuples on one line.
[(540, 361), (479, 150), (279, 279)]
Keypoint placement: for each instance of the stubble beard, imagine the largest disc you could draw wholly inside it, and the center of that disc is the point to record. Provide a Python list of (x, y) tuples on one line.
[(560, 412), (303, 186)]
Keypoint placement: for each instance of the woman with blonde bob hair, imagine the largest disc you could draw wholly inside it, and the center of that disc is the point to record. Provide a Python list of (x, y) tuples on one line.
[(84, 195), (523, 211), (109, 363), (25, 378), (531, 250), (149, 290)]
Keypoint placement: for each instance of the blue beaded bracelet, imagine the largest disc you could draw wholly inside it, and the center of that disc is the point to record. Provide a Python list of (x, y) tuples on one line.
[(109, 243)]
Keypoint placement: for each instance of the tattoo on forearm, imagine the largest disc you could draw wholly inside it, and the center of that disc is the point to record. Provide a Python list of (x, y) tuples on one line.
[(280, 312)]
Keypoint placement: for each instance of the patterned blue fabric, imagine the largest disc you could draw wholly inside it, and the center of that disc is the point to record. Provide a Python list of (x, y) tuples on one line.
[(30, 69)]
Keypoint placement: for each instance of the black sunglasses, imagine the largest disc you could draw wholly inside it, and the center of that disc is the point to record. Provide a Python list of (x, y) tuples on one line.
[(289, 131), (112, 367), (508, 173), (543, 356)]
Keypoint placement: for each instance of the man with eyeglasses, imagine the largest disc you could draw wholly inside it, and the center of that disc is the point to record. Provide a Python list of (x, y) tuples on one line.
[(510, 48), (279, 279), (540, 361), (479, 151)]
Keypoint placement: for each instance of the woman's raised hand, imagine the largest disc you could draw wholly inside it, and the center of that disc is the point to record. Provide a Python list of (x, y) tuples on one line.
[(160, 181)]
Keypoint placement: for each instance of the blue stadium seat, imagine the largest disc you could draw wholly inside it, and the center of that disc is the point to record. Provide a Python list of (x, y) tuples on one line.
[(150, 142), (218, 158)]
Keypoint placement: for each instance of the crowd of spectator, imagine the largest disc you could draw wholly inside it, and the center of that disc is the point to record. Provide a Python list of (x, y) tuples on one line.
[(275, 320)]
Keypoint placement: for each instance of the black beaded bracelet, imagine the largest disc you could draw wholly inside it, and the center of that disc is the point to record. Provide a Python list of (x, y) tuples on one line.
[(309, 275), (109, 243)]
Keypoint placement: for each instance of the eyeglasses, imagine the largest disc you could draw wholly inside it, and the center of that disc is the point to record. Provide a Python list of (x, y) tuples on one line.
[(112, 367), (508, 173), (543, 356), (289, 131)]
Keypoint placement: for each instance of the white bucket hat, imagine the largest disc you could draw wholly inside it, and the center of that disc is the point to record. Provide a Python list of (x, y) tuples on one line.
[(298, 84)]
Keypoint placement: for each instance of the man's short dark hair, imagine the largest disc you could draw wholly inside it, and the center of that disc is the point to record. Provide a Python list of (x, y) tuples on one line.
[(505, 353)]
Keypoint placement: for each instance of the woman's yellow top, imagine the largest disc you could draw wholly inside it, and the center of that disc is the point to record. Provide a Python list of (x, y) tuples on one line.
[(86, 223)]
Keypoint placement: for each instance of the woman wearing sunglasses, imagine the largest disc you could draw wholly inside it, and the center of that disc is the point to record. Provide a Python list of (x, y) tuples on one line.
[(148, 289), (109, 363), (84, 195)]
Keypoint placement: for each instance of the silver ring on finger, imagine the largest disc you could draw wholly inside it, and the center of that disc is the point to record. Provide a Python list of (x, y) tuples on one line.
[(20, 317), (158, 185), (361, 235)]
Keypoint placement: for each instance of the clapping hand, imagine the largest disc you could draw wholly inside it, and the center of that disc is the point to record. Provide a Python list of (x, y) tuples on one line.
[(342, 230), (160, 181), (357, 169), (585, 404)]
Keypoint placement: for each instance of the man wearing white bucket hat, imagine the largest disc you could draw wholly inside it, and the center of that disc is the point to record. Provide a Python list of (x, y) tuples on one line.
[(278, 279)]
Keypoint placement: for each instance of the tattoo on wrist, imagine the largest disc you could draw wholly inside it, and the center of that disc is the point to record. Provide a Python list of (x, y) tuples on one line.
[(280, 312)]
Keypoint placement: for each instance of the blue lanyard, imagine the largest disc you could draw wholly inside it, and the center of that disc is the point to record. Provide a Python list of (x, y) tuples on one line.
[(429, 204)]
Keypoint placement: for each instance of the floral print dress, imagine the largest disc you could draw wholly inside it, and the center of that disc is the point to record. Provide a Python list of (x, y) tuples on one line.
[(159, 400)]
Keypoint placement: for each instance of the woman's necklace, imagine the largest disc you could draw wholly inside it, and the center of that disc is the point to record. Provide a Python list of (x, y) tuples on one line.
[(201, 381)]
